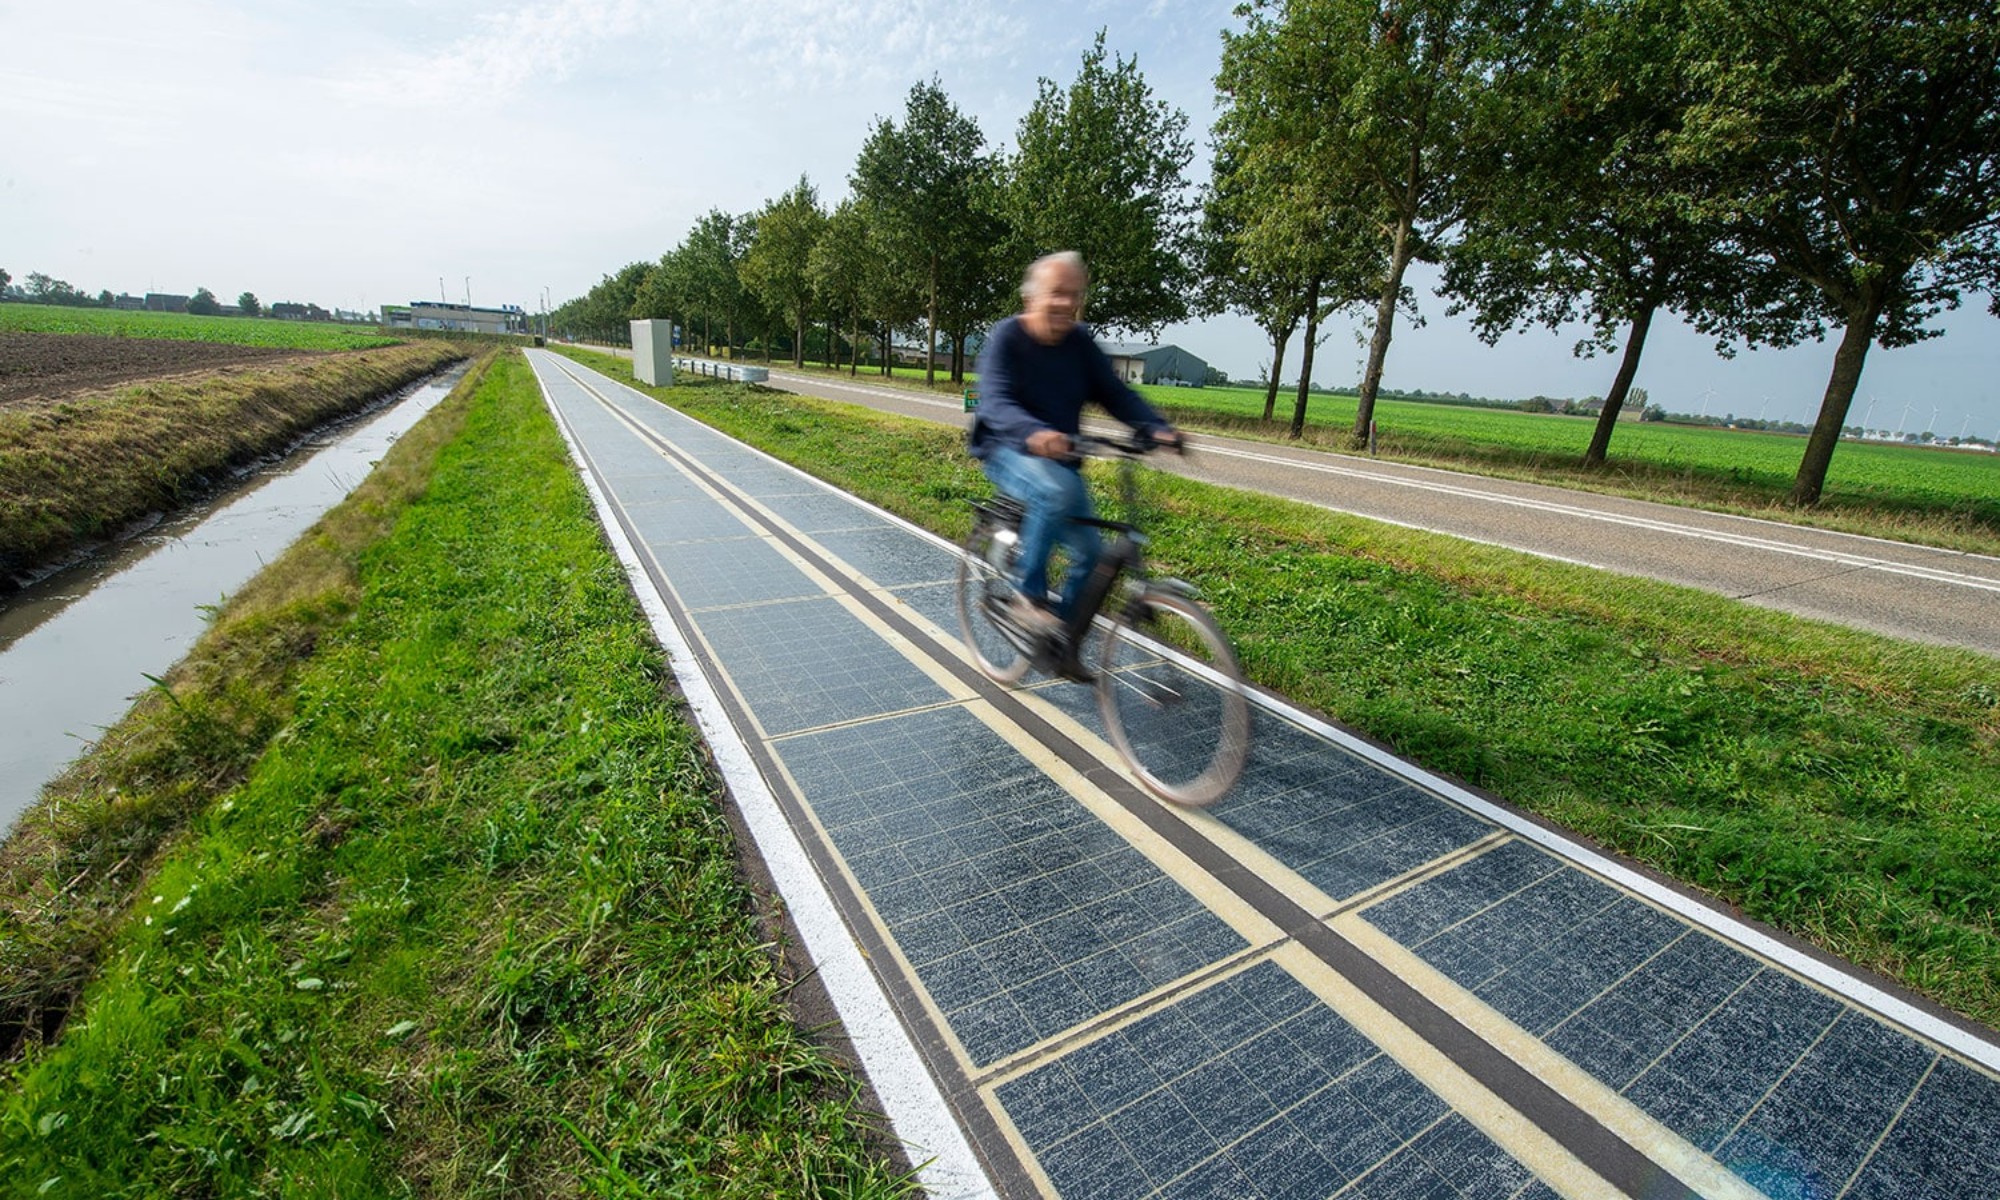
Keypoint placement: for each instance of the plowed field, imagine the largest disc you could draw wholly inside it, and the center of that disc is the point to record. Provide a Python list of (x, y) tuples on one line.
[(42, 367)]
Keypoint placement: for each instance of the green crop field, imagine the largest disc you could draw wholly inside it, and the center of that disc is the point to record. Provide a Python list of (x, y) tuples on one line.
[(1904, 478), (235, 331)]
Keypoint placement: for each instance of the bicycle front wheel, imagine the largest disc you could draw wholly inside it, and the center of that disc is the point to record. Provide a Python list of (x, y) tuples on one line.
[(1173, 699), (983, 592)]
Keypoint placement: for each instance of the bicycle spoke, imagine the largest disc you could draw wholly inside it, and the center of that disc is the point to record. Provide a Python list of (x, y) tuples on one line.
[(1173, 702)]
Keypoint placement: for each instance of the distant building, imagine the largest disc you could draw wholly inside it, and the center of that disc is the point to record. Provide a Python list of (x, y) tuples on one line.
[(457, 318), (165, 302), (1169, 365), (286, 310), (128, 303)]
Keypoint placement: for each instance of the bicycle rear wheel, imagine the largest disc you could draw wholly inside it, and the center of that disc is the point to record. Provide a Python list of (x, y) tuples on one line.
[(1173, 699), (983, 592)]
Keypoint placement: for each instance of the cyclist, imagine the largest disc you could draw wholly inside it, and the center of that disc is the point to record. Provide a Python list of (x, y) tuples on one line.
[(1036, 372)]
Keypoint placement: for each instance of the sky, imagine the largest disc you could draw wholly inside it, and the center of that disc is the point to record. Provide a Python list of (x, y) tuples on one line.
[(355, 153)]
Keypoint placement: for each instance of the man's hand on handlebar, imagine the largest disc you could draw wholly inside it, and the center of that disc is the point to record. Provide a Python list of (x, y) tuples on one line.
[(1050, 443), (1171, 439)]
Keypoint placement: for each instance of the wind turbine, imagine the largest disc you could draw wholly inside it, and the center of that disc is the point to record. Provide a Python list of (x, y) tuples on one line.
[(1904, 419), (1931, 427), (1705, 398)]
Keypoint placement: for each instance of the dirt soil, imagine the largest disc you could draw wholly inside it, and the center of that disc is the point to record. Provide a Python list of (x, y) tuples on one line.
[(37, 368)]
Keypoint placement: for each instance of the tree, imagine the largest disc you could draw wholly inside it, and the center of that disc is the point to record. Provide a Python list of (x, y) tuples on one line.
[(777, 265), (1236, 280), (1362, 107), (1099, 169), (713, 248), (666, 292), (1571, 210), (1295, 219), (1857, 168), (203, 304), (5, 279), (920, 181), (843, 266), (248, 303)]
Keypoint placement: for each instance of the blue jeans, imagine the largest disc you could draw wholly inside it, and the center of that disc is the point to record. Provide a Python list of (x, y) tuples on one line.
[(1054, 496)]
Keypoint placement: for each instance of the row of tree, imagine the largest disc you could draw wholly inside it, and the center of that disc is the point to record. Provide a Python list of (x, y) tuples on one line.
[(1769, 173), (39, 288), (937, 228)]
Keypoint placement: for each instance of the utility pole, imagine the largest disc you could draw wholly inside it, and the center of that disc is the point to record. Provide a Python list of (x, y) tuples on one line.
[(468, 291)]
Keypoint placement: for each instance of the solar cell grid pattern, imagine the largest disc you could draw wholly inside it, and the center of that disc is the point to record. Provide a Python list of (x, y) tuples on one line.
[(807, 663), (733, 571), (1250, 1088), (1021, 914), (1786, 1085)]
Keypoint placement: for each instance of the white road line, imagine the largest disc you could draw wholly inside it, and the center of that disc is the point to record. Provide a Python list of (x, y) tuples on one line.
[(909, 1094)]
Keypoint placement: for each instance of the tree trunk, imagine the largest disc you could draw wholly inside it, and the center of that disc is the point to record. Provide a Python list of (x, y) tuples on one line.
[(1279, 339), (1614, 400), (854, 346), (1385, 324), (1847, 364), (1306, 367), (930, 330)]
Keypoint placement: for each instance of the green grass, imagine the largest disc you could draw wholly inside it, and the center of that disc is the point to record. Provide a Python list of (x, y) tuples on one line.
[(1941, 497), (1840, 785), (468, 923), (235, 331)]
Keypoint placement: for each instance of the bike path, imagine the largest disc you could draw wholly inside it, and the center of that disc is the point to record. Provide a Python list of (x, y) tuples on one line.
[(1348, 978)]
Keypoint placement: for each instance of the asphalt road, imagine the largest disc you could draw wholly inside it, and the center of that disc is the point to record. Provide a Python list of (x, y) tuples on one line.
[(1917, 592)]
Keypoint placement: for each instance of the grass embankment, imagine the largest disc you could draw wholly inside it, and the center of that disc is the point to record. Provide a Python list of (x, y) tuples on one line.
[(234, 331), (1837, 784), (416, 883), (80, 469), (1939, 497)]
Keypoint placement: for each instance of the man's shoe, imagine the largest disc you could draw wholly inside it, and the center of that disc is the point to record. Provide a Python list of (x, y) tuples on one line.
[(1032, 616), (1070, 667)]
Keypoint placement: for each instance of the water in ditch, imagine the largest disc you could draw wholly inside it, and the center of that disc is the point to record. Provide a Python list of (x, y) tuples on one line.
[(79, 646)]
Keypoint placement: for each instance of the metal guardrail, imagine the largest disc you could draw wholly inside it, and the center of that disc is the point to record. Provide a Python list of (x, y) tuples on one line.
[(735, 372)]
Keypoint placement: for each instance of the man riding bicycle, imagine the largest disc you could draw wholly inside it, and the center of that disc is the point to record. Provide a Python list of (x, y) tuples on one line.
[(1036, 372)]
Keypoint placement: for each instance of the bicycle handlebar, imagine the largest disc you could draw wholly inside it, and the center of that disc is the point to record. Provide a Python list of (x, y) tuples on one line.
[(1134, 445)]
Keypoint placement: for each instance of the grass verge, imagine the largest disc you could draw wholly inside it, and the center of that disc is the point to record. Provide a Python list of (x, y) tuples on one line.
[(413, 880), (81, 469), (1837, 784)]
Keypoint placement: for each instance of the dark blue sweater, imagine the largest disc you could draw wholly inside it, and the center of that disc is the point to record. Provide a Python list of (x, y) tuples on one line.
[(1025, 387)]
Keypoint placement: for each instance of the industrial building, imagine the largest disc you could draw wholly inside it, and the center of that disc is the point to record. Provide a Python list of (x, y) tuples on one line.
[(458, 318)]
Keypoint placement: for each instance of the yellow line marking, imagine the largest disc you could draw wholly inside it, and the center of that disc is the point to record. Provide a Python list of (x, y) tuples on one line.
[(1628, 1121)]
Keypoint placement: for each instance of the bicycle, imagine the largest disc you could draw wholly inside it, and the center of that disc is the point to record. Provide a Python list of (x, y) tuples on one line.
[(1168, 685)]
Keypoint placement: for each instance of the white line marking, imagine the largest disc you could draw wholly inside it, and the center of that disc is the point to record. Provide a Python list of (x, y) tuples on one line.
[(915, 1107)]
